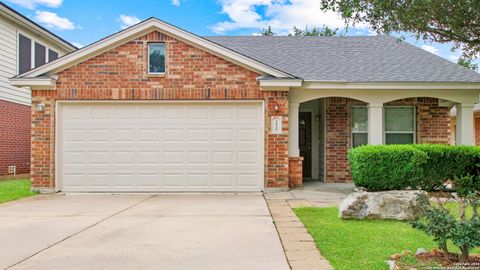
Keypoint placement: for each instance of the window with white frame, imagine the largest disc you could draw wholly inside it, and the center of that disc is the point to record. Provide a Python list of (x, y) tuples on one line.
[(399, 124), (32, 54), (156, 58), (359, 125)]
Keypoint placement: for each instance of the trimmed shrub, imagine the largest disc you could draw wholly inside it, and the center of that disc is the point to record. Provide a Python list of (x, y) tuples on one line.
[(386, 167), (421, 166), (446, 162)]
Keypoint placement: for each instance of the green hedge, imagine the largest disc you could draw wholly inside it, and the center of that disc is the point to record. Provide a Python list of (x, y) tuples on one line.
[(447, 162), (422, 166), (386, 167)]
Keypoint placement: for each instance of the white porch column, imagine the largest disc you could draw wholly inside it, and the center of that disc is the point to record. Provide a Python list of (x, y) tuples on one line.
[(375, 123), (464, 132), (293, 150)]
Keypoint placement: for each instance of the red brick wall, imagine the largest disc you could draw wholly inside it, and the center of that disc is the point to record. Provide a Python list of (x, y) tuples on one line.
[(433, 126), (296, 172), (477, 128), (433, 122), (120, 74), (14, 137), (338, 138)]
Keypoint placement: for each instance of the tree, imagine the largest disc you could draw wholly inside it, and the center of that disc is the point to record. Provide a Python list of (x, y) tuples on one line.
[(462, 229), (443, 21), (325, 31), (468, 63), (315, 31), (267, 32)]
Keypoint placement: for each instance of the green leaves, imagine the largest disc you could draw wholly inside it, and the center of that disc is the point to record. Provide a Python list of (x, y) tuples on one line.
[(443, 226), (419, 166), (446, 21), (386, 167), (437, 222)]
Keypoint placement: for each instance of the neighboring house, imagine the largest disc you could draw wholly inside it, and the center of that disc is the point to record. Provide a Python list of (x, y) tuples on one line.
[(476, 124), (23, 45), (157, 108)]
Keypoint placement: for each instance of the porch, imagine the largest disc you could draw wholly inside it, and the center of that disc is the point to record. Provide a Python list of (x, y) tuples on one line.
[(325, 123)]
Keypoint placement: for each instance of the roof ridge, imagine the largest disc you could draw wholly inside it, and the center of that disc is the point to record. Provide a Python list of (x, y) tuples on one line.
[(286, 36)]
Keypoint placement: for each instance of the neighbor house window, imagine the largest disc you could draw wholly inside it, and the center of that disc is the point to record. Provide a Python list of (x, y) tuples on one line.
[(359, 125), (24, 54), (32, 54), (399, 125), (156, 58), (52, 55), (40, 57)]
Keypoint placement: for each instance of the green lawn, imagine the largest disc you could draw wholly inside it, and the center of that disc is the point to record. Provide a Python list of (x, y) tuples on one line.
[(360, 244), (14, 189)]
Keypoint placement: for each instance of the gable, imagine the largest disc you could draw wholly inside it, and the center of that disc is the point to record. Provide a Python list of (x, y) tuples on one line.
[(141, 29), (187, 68)]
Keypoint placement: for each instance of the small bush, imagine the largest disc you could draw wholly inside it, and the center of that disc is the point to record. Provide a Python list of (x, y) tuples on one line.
[(438, 222), (386, 167)]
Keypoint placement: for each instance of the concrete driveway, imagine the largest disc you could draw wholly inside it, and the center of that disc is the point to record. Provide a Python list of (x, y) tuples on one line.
[(139, 231)]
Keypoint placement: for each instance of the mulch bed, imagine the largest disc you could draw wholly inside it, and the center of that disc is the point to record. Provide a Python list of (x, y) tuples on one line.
[(447, 260)]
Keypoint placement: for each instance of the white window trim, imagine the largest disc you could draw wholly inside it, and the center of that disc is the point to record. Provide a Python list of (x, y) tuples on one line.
[(351, 127), (148, 56), (414, 132)]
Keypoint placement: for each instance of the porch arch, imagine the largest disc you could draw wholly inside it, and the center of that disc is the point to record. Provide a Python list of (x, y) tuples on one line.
[(380, 96)]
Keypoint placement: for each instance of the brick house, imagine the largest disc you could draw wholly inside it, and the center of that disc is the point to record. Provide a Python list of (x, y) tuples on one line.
[(23, 45), (156, 108)]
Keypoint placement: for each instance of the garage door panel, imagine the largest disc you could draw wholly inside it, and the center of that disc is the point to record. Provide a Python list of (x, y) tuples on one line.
[(222, 113), (172, 135), (198, 113), (161, 147)]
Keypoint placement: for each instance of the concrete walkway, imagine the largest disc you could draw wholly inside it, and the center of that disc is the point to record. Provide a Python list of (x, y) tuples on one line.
[(299, 246), (316, 194), (139, 231)]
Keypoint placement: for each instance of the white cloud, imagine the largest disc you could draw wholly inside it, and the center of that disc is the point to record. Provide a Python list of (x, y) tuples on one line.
[(281, 15), (176, 2), (52, 20), (127, 21), (431, 49), (32, 4)]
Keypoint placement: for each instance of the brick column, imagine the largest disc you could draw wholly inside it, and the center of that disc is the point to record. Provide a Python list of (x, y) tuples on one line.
[(277, 144), (42, 160), (295, 172)]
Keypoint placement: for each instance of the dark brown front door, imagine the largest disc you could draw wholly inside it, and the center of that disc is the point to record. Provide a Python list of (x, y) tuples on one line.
[(305, 142)]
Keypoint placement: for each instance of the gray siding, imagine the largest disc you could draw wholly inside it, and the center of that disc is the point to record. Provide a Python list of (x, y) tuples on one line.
[(8, 65), (9, 59)]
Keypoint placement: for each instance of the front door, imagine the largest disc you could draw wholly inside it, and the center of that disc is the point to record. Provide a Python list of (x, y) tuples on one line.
[(305, 142)]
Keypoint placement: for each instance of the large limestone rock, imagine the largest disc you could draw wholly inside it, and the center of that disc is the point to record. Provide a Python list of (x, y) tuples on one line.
[(396, 204)]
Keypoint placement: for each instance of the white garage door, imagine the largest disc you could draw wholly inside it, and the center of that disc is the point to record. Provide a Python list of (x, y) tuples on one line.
[(161, 147)]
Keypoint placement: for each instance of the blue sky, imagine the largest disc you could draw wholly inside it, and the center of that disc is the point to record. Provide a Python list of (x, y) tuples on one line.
[(82, 22)]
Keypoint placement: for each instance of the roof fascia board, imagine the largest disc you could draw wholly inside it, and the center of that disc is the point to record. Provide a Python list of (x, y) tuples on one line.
[(16, 18), (34, 83), (142, 29), (279, 84), (390, 85)]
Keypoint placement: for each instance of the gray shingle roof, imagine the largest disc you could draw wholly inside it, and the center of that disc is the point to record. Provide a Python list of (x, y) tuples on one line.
[(349, 58)]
